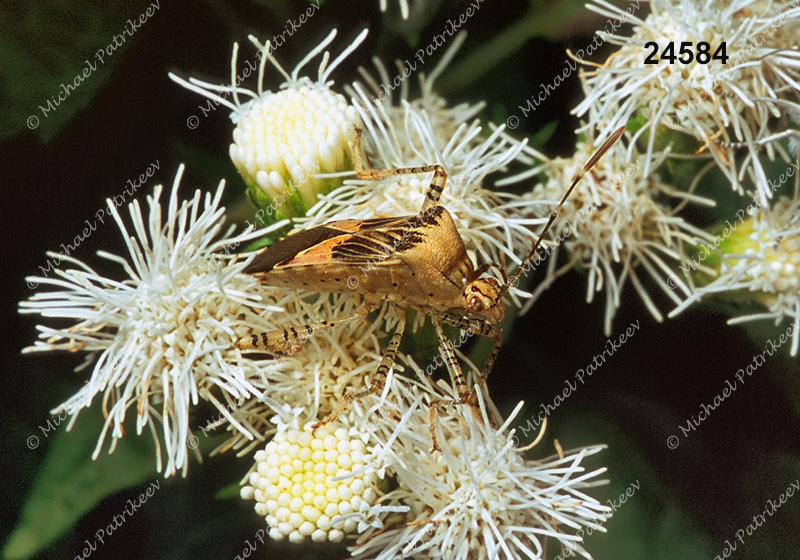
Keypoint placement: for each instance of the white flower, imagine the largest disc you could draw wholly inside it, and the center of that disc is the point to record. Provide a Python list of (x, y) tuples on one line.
[(479, 497), (305, 483), (373, 95), (284, 138), (724, 106), (312, 374), (616, 222), (161, 340), (761, 260)]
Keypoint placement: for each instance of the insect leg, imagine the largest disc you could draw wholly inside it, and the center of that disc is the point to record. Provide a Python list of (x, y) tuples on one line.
[(457, 378), (465, 396), (481, 328), (379, 379), (456, 375), (279, 339), (434, 192), (795, 134)]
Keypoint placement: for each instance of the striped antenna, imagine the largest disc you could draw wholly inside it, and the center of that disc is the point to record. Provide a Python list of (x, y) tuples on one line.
[(589, 164)]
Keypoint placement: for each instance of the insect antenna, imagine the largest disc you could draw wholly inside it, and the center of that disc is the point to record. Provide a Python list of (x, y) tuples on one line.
[(589, 164)]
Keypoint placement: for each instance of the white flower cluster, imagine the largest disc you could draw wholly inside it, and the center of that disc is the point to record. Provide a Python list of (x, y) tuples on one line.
[(762, 261), (618, 221), (626, 215), (480, 497), (744, 100), (283, 139), (159, 341), (164, 340), (296, 487)]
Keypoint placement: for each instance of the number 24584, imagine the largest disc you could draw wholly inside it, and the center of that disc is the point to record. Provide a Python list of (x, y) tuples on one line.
[(685, 54)]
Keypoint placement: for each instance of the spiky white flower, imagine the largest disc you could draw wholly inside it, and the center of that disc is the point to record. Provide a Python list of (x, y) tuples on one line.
[(477, 498), (304, 483), (283, 139), (160, 340), (742, 102), (617, 221), (313, 373), (761, 261), (378, 95)]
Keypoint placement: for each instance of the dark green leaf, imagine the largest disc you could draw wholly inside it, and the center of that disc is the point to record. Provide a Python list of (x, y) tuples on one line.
[(70, 484), (51, 49)]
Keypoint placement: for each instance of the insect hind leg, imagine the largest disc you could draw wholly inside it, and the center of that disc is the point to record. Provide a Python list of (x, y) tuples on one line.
[(282, 340), (379, 379), (435, 188)]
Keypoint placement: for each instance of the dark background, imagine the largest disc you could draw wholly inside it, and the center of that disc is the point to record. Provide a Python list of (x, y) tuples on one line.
[(128, 114)]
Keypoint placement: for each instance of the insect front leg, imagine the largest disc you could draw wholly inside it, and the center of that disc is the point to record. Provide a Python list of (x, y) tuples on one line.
[(379, 379), (432, 195), (280, 340), (481, 328), (457, 378), (465, 395)]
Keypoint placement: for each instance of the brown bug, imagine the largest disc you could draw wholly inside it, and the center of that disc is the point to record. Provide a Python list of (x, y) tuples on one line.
[(416, 261)]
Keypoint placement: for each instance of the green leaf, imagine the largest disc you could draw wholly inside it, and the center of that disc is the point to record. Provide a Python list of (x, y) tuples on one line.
[(229, 492), (49, 49), (543, 135), (70, 484)]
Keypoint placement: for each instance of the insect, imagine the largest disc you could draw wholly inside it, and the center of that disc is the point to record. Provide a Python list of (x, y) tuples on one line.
[(417, 262)]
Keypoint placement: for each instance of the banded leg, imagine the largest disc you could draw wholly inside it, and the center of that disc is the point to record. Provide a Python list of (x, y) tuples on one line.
[(457, 378), (481, 328), (791, 133), (453, 367), (434, 192), (379, 379), (465, 396), (279, 339)]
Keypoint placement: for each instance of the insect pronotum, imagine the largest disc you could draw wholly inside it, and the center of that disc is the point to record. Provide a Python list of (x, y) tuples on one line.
[(415, 261)]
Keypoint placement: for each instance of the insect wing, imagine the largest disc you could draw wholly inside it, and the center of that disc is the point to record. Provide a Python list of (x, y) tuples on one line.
[(345, 241)]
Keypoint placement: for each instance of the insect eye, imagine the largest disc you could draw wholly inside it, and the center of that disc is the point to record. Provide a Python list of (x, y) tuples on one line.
[(475, 304)]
